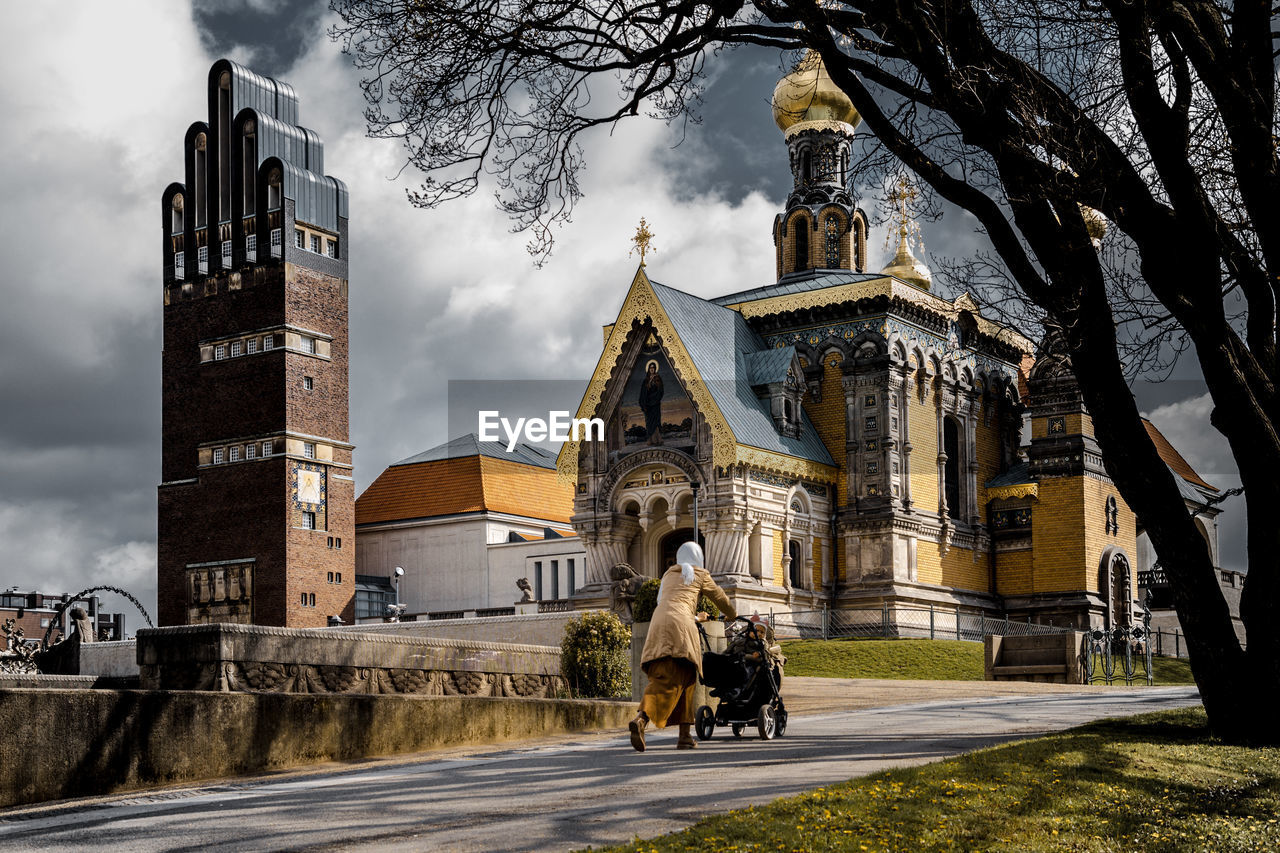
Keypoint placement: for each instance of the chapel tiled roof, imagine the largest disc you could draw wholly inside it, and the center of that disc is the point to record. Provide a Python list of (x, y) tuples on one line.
[(797, 283), (437, 483), (1173, 458), (719, 341)]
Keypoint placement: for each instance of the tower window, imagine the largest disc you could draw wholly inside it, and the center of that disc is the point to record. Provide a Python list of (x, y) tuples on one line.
[(331, 248), (802, 244), (309, 520), (226, 253), (179, 265), (309, 449), (299, 238), (251, 346), (308, 383), (315, 243), (217, 455), (202, 259), (250, 451), (268, 341), (276, 241), (234, 454), (309, 345), (220, 352), (833, 241), (266, 448), (806, 166), (235, 348), (251, 247)]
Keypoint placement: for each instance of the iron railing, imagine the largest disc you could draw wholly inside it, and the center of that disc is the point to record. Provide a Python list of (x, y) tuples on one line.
[(889, 621)]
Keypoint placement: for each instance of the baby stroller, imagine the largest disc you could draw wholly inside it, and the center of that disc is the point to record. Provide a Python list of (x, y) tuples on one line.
[(746, 682)]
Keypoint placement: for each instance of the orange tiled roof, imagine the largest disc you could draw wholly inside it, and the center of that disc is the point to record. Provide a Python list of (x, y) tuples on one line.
[(1173, 458), (464, 484)]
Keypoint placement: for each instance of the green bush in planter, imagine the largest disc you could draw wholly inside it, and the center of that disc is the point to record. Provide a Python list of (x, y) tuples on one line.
[(595, 656), (646, 601)]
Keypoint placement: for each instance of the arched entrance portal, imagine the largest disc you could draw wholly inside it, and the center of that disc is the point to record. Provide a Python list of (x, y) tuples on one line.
[(672, 542)]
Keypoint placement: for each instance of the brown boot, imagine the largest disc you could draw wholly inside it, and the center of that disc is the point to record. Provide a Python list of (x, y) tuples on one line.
[(686, 740), (637, 731)]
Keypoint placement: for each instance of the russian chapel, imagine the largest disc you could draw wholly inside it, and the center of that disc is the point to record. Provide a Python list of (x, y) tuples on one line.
[(849, 438)]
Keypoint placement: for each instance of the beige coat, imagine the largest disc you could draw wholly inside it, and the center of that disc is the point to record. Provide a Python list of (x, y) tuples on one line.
[(674, 629)]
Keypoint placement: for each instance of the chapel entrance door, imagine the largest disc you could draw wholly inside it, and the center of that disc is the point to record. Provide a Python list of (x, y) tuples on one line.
[(671, 544)]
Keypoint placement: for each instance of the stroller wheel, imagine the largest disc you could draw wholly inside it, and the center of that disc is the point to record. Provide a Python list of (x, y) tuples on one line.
[(705, 722), (781, 717), (766, 722), (737, 729)]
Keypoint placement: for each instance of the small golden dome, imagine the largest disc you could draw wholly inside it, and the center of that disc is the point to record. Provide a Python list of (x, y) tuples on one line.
[(907, 267), (1094, 223), (808, 94)]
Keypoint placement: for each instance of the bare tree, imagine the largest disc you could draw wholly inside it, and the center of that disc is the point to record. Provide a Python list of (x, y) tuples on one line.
[(1030, 114)]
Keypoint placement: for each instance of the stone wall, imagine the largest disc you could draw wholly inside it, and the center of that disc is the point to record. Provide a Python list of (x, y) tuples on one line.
[(288, 660), (539, 629), (114, 659), (76, 743)]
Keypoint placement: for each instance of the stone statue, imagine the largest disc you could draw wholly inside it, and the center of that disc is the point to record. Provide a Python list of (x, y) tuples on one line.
[(525, 589), (626, 582), (83, 625)]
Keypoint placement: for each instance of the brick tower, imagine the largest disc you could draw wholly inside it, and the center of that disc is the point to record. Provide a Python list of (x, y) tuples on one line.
[(256, 520)]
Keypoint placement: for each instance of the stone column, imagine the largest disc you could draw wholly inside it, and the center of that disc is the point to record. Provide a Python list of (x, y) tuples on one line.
[(606, 545), (728, 546)]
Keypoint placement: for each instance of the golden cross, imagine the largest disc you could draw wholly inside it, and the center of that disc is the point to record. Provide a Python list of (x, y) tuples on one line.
[(900, 195), (642, 240)]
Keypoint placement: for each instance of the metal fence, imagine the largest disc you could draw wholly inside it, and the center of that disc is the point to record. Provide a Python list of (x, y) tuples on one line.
[(889, 621)]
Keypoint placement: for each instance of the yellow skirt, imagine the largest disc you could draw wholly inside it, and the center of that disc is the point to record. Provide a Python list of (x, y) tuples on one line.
[(668, 697)]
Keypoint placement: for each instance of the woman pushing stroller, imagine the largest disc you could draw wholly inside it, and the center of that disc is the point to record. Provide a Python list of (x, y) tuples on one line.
[(672, 655)]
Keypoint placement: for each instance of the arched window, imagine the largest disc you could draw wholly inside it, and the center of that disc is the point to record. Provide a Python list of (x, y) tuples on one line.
[(176, 222), (224, 147), (951, 472), (274, 196), (806, 166), (833, 241), (249, 168), (802, 244), (796, 571), (202, 177), (786, 410)]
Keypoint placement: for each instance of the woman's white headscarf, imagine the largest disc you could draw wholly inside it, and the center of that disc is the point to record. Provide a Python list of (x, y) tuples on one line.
[(689, 555)]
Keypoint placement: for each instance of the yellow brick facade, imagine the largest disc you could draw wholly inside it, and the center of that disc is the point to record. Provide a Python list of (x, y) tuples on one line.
[(922, 429), (779, 550), (815, 575), (828, 418), (1014, 573)]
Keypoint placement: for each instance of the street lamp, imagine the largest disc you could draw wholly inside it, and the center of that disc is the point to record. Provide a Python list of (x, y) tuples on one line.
[(695, 485), (399, 573)]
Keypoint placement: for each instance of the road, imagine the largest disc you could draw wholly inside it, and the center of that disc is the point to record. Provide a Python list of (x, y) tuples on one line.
[(566, 794)]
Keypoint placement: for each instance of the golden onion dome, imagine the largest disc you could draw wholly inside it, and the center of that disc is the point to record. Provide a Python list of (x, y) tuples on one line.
[(907, 267), (1094, 223), (809, 94)]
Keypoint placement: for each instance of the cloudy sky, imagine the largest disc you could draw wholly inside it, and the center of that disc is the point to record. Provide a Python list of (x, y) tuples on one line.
[(96, 98)]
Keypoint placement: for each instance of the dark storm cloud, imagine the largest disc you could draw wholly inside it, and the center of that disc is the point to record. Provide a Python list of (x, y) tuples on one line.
[(273, 33)]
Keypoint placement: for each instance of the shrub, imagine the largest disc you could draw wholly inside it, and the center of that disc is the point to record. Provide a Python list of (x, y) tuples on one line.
[(646, 601), (595, 656)]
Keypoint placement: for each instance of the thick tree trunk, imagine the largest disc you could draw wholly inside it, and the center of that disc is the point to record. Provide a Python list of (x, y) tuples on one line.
[(1240, 690)]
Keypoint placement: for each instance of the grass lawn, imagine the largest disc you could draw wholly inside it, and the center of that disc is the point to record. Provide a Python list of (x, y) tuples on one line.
[(1151, 783), (947, 660)]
